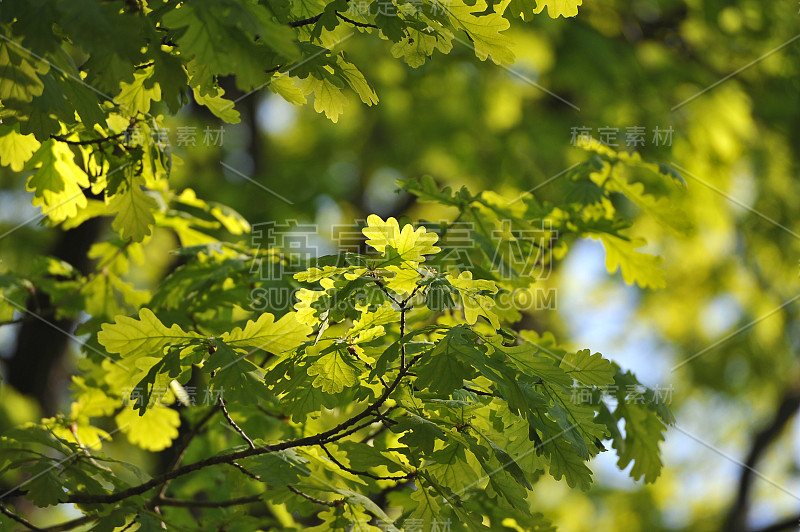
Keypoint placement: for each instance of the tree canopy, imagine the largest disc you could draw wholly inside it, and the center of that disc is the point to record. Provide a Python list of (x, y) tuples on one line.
[(317, 265)]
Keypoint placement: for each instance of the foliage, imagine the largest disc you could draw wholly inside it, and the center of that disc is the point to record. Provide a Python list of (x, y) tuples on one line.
[(294, 372)]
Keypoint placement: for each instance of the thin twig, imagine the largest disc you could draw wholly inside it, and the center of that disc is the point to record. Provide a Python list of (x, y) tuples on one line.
[(355, 22), (69, 525), (18, 519), (364, 473), (168, 501), (314, 499), (234, 425), (87, 142), (244, 470), (332, 434)]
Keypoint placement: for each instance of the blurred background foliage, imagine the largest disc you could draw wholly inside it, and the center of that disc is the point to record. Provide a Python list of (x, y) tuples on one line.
[(729, 308)]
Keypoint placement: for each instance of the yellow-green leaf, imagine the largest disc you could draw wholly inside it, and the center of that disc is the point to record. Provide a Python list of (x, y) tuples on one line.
[(135, 97), (285, 87), (146, 335), (328, 98), (134, 210), (475, 302), (484, 30), (640, 268), (16, 149), (274, 336), (153, 431), (57, 182), (558, 8), (411, 245), (222, 108), (334, 372)]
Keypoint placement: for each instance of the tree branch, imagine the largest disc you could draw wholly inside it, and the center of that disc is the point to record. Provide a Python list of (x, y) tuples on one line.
[(168, 501), (18, 519), (305, 21), (355, 22), (234, 425), (69, 525), (87, 142), (314, 499), (789, 523), (328, 435), (246, 471), (364, 473), (737, 516)]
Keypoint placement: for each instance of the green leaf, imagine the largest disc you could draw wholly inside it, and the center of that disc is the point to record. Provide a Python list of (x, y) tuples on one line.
[(588, 369), (285, 87), (558, 8), (152, 431), (636, 267), (134, 210), (143, 336), (419, 432), (16, 149), (508, 463), (57, 182), (451, 468), (530, 360), (356, 80), (19, 81), (443, 369), (328, 96), (278, 468), (662, 209), (334, 372), (361, 456), (643, 432), (570, 430), (276, 337), (484, 30), (565, 462), (238, 378), (136, 97), (410, 244), (365, 502), (219, 36), (218, 105), (418, 46), (45, 487)]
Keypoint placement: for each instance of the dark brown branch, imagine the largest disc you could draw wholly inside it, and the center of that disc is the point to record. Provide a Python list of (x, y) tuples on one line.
[(314, 499), (737, 516), (18, 320), (246, 471), (234, 425), (323, 437), (282, 417), (305, 21), (355, 22), (69, 525), (364, 473), (168, 501), (789, 523), (18, 519), (87, 142), (478, 392), (380, 285), (383, 428), (351, 431)]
